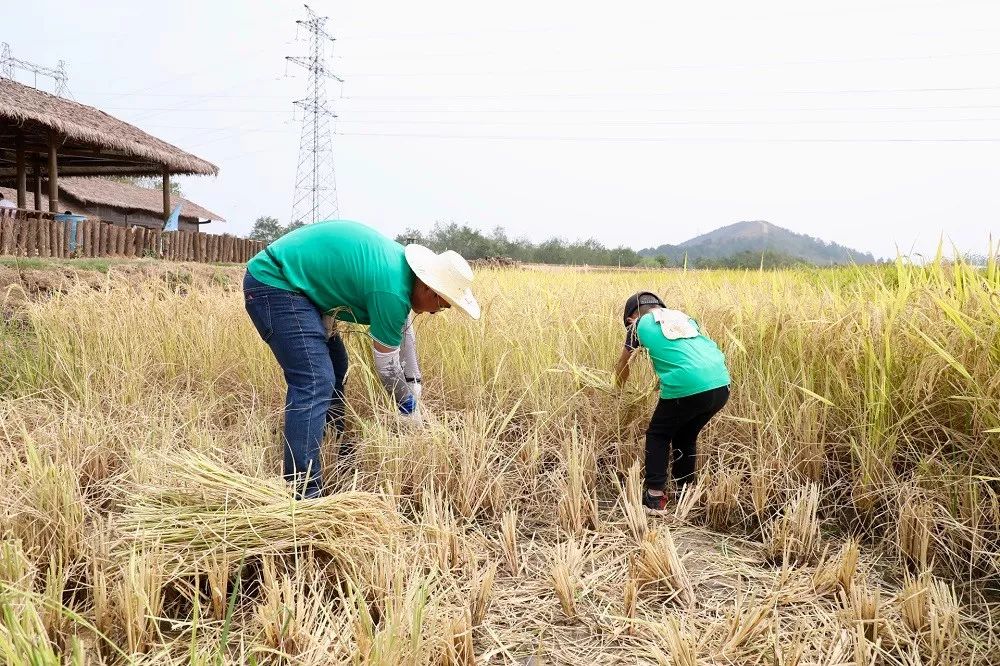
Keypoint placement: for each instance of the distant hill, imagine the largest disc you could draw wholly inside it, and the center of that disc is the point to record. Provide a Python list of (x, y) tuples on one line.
[(758, 237)]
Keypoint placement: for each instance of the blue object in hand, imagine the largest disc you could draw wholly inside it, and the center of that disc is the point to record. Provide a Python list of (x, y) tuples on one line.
[(408, 405)]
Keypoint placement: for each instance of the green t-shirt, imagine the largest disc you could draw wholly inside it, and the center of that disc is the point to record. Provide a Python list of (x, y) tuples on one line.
[(346, 269), (685, 366)]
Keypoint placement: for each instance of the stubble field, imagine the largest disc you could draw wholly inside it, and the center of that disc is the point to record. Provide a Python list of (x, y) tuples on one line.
[(847, 510)]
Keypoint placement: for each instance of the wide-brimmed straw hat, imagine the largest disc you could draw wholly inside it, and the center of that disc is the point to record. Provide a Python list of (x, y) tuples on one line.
[(448, 274)]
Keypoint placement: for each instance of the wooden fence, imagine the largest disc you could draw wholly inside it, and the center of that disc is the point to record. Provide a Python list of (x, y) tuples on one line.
[(40, 237)]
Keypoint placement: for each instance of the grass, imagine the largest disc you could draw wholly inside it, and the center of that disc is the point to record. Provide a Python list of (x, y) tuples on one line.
[(848, 508), (35, 263)]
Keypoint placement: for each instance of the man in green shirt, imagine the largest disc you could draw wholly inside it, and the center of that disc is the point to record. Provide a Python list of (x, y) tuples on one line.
[(694, 386), (352, 273)]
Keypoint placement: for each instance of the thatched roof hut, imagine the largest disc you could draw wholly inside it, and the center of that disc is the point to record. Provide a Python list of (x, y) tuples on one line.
[(53, 137), (123, 203)]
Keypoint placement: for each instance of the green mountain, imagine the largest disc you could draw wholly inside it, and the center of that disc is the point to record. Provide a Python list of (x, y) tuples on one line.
[(748, 238)]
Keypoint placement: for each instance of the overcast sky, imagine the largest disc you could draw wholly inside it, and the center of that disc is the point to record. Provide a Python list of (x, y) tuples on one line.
[(875, 124)]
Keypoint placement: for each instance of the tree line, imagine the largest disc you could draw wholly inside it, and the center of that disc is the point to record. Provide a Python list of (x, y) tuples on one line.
[(473, 244)]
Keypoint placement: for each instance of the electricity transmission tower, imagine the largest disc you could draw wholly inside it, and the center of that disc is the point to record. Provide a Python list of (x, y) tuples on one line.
[(315, 195), (9, 64)]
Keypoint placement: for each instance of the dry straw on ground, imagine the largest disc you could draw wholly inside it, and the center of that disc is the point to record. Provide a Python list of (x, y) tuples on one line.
[(847, 510)]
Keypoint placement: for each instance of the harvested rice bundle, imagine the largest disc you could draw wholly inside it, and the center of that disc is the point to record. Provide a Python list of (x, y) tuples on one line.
[(196, 507)]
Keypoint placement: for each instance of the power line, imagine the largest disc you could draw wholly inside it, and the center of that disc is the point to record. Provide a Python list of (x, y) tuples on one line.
[(681, 66), (499, 137), (351, 98)]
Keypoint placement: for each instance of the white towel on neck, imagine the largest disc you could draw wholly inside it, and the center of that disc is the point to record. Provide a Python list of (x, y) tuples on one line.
[(675, 324)]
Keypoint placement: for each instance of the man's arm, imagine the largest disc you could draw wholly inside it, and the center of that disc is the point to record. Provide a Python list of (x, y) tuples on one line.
[(621, 367), (408, 357)]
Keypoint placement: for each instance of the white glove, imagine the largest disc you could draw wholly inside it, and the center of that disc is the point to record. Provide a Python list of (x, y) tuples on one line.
[(413, 419), (416, 388)]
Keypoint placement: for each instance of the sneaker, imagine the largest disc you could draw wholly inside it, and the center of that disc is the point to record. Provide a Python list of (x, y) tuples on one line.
[(654, 504)]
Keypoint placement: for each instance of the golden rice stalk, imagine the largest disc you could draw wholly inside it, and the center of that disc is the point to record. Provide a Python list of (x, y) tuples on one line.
[(915, 529), (794, 535), (218, 569), (578, 501), (139, 598), (944, 632), (567, 563), (659, 567), (509, 542), (630, 499), (789, 649), (744, 624), (440, 530), (195, 507), (688, 500), (631, 597), (762, 490), (23, 639), (915, 602), (56, 623), (722, 498), (105, 619), (862, 608), (837, 572), (482, 593), (681, 643), (15, 567), (458, 647), (847, 563), (393, 629), (43, 507), (296, 621)]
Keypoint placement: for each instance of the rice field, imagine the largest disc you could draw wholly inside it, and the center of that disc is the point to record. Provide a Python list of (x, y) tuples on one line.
[(847, 509)]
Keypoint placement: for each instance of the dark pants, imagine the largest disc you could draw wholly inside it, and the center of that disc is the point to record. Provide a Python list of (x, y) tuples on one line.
[(678, 421), (314, 370)]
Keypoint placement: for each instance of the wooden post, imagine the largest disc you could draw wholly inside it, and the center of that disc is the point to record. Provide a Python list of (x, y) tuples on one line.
[(62, 237), (6, 227), (22, 174), (81, 239), (22, 238), (140, 241), (53, 173), (43, 238), (38, 183), (31, 242), (95, 234), (166, 194)]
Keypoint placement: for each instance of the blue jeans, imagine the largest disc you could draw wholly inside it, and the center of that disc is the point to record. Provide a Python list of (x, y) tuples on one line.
[(314, 370)]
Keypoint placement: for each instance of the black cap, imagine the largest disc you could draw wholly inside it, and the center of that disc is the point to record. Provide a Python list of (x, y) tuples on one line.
[(635, 301)]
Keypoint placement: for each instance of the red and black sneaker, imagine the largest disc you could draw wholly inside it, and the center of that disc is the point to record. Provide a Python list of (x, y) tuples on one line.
[(655, 504)]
